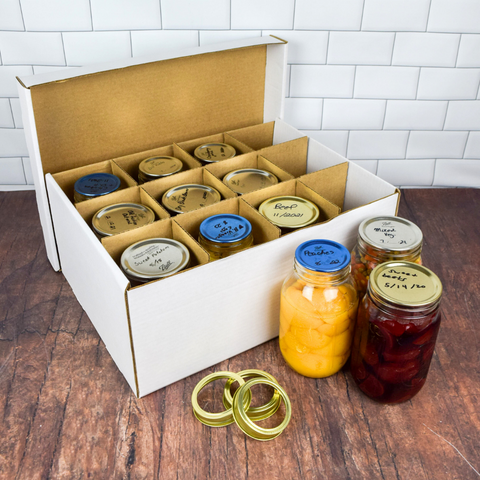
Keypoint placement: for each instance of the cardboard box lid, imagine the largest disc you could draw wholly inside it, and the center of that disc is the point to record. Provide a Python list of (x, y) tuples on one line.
[(84, 115)]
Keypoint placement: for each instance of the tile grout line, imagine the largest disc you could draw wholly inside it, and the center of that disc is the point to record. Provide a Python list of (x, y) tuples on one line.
[(21, 13), (465, 147), (64, 53), (361, 18), (91, 13), (328, 49), (418, 83), (294, 13), (131, 44), (160, 11), (11, 111), (446, 115), (23, 168), (406, 145), (428, 16), (458, 50), (393, 48), (434, 173), (290, 83)]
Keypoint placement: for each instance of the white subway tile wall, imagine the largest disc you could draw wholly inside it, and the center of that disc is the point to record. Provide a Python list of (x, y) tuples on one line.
[(393, 85)]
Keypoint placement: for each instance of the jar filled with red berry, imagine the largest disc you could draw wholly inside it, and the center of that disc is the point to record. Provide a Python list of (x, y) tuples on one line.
[(382, 239), (395, 332)]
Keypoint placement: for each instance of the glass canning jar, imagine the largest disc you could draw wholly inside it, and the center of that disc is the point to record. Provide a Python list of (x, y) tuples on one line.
[(318, 307), (224, 234), (396, 329), (382, 239)]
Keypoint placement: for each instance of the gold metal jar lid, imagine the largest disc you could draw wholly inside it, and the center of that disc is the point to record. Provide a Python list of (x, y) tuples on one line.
[(246, 180), (405, 284), (158, 167), (246, 424), (289, 211), (391, 234), (214, 152), (154, 258), (121, 217), (219, 419), (255, 413), (185, 198)]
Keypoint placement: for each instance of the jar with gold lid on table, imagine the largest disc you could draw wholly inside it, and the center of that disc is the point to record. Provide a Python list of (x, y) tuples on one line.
[(396, 329), (383, 239), (318, 307)]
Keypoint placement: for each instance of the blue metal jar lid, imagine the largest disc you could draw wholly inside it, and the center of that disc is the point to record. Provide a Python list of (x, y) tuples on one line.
[(225, 228), (322, 256), (97, 184)]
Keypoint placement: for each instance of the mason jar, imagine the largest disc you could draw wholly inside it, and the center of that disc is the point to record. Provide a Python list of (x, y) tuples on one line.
[(214, 152), (95, 185), (186, 198), (318, 307), (225, 234), (396, 329), (382, 239), (158, 167)]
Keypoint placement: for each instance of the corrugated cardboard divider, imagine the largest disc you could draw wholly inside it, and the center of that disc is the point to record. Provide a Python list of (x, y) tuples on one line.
[(89, 208), (263, 231), (191, 145), (130, 163), (256, 136), (66, 180), (294, 187), (156, 188), (291, 156), (331, 182), (250, 160), (116, 245), (88, 119)]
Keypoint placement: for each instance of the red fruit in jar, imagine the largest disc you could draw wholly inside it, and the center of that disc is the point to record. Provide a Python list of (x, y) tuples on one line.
[(388, 338), (372, 387), (402, 354), (398, 372), (424, 338), (370, 355), (428, 352), (358, 371), (418, 382), (394, 328)]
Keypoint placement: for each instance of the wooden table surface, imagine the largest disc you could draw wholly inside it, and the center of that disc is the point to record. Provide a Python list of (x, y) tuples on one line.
[(67, 412)]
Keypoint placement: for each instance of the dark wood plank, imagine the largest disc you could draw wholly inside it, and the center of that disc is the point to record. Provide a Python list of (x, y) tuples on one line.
[(66, 411)]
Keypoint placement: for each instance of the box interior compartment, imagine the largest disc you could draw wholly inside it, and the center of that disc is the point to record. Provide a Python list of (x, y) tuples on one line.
[(249, 160), (130, 163), (66, 180), (156, 188), (256, 137), (263, 231), (190, 145), (295, 187), (116, 244), (90, 207)]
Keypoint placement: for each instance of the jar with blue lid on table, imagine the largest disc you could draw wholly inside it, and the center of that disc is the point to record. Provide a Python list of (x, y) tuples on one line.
[(318, 307), (95, 185), (224, 234)]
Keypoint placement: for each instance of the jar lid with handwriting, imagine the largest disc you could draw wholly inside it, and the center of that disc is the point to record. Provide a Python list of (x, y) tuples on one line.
[(404, 284), (391, 234), (289, 211), (158, 167), (185, 198), (246, 180), (121, 217), (214, 152), (322, 256), (154, 258), (95, 185)]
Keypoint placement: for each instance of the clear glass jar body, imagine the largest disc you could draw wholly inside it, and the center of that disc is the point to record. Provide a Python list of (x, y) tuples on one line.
[(218, 250), (317, 317), (366, 257), (392, 349)]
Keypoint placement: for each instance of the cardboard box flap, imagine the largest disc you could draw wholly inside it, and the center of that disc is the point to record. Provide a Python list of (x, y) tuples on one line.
[(86, 116)]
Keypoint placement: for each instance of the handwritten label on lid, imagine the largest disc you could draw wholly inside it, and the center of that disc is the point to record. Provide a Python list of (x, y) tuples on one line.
[(406, 283), (391, 233), (322, 255), (97, 184), (225, 228)]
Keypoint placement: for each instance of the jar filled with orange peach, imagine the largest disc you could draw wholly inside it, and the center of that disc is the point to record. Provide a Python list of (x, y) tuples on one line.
[(318, 307)]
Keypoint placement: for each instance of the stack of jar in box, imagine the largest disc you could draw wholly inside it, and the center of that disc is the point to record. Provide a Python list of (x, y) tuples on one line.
[(378, 305)]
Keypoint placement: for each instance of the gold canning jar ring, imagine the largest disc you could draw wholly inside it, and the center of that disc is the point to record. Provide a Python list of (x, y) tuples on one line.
[(219, 419), (255, 413), (241, 417)]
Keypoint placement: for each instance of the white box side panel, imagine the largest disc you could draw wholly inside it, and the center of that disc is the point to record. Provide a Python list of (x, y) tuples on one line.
[(284, 132), (38, 177), (232, 304), (96, 280), (275, 82)]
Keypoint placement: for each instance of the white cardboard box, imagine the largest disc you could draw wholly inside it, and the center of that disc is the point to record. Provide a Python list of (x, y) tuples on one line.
[(91, 114)]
